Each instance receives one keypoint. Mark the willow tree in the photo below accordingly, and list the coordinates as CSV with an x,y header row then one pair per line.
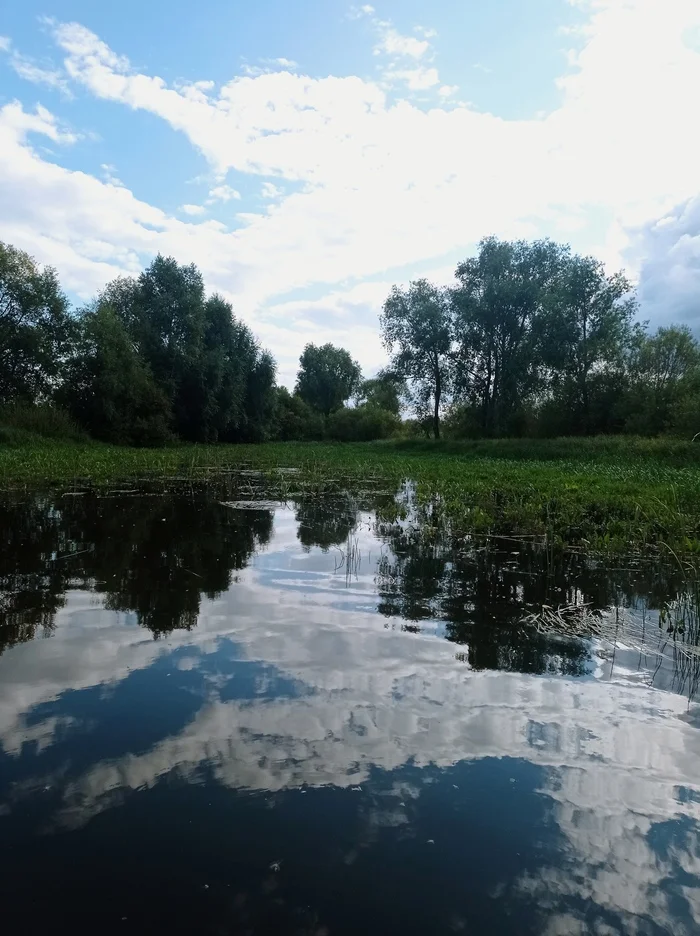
x,y
416,325
500,303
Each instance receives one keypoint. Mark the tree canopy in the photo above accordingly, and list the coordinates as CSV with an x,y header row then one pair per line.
x,y
417,331
327,378
35,327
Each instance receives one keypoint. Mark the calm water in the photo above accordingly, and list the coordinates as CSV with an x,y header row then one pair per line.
x,y
294,719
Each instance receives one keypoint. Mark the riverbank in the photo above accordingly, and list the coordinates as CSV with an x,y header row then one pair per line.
x,y
609,492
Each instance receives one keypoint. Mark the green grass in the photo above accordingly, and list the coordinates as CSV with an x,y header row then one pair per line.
x,y
609,493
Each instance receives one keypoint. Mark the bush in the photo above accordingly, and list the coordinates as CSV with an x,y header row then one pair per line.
x,y
293,419
17,420
361,424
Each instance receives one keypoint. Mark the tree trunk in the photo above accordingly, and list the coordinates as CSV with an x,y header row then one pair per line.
x,y
436,412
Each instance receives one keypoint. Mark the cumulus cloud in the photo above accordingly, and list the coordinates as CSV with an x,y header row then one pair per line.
x,y
393,43
270,190
376,183
193,209
666,256
223,193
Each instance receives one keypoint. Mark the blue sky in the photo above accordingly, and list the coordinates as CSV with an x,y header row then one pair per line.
x,y
306,156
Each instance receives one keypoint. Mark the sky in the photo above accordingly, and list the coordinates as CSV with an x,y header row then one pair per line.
x,y
307,156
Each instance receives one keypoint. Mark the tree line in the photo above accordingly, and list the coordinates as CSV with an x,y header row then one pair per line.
x,y
537,340
153,359
532,340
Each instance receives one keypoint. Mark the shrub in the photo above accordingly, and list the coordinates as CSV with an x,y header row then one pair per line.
x,y
40,419
293,419
361,424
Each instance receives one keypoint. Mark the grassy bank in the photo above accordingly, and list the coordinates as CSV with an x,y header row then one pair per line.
x,y
604,492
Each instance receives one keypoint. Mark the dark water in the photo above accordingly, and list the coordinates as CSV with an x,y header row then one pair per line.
x,y
341,727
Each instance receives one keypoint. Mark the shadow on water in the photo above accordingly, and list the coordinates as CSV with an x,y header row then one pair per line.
x,y
344,725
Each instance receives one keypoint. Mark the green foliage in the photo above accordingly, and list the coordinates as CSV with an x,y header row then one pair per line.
x,y
108,388
609,493
416,326
295,419
384,391
499,304
35,327
664,393
22,423
533,341
327,377
361,424
586,329
203,365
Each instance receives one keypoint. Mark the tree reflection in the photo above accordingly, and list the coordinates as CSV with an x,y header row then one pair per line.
x,y
481,593
31,581
151,555
325,523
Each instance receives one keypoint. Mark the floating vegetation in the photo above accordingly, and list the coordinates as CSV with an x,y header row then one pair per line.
x,y
575,620
601,495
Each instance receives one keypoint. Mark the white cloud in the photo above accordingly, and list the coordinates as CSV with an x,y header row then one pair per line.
x,y
665,254
193,209
30,70
415,79
223,193
393,43
270,190
109,174
377,185
448,90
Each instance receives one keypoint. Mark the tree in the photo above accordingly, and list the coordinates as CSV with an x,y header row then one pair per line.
x,y
235,377
294,419
108,389
384,392
327,377
664,372
260,399
208,364
35,327
416,325
585,332
499,305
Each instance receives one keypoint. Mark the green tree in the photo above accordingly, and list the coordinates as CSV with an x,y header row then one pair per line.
x,y
295,419
260,399
35,327
207,363
384,392
327,377
236,378
416,326
500,303
664,373
108,389
586,331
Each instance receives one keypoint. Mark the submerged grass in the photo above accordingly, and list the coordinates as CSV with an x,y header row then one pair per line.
x,y
602,493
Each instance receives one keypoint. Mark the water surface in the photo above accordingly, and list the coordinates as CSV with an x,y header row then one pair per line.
x,y
221,714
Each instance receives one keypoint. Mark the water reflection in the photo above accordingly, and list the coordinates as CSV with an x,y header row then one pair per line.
x,y
297,762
